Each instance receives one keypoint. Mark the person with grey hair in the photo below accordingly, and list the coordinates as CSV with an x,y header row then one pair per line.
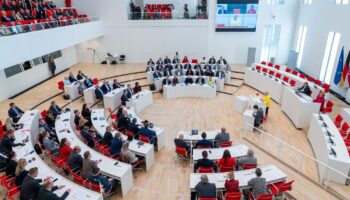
x,y
258,184
75,160
204,189
249,159
222,136
180,142
128,154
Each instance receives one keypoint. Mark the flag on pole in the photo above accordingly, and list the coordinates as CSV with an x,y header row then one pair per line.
x,y
345,71
348,66
338,73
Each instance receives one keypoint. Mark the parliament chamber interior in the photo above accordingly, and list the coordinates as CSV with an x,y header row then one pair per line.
x,y
174,99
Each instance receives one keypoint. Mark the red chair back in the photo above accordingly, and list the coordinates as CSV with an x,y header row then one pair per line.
x,y
263,62
302,75
292,83
204,147
249,166
326,87
43,113
60,85
226,144
286,187
271,72
270,64
285,79
295,73
206,170
345,126
264,197
95,81
194,61
144,139
226,169
278,75
258,67
278,67
310,79
329,106
317,82
233,195
288,70
96,187
181,151
264,70
338,119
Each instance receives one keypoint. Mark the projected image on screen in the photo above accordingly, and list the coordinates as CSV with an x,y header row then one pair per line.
x,y
236,15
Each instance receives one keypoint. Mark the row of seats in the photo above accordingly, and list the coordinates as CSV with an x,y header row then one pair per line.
x,y
344,131
301,75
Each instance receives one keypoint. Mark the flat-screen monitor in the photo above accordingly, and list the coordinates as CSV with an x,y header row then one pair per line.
x,y
236,15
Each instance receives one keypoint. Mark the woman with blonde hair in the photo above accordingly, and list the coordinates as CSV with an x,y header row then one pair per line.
x,y
128,154
20,171
231,184
267,100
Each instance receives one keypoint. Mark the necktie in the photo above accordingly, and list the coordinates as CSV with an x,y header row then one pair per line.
x,y
16,111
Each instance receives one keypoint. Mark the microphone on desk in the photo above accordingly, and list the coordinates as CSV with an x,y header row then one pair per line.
x,y
324,124
333,152
320,117
330,140
329,134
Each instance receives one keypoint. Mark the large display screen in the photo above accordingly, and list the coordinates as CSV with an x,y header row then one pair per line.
x,y
236,15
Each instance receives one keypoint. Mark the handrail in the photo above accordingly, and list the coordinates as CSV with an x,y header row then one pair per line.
x,y
298,150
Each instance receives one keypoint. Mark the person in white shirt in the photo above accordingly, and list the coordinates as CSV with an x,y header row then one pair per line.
x,y
66,81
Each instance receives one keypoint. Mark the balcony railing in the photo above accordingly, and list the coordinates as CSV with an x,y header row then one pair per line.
x,y
167,15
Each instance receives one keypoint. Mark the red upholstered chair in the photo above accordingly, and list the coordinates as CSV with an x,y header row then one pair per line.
x,y
263,62
278,67
337,121
206,170
347,141
264,70
181,152
317,82
96,187
271,72
288,70
113,116
270,64
226,144
258,67
194,61
249,166
292,82
60,85
295,73
204,147
326,87
260,196
95,81
301,75
207,198
280,187
43,114
310,79
144,139
344,129
329,107
233,195
278,75
226,169
286,79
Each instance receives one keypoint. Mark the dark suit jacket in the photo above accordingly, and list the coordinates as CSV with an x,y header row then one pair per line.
x,y
30,188
99,93
188,81
55,110
167,82
182,143
90,140
106,88
205,190
7,143
14,115
72,79
204,143
200,81
80,76
107,139
88,83
204,162
124,99
134,129
212,61
175,81
75,161
50,122
157,75
306,90
123,122
167,60
11,168
149,133
117,85
116,146
45,194
76,120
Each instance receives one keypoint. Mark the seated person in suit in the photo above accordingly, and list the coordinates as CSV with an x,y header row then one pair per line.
x,y
47,191
220,73
76,118
178,66
75,160
223,136
160,61
124,97
159,67
150,62
31,186
146,131
167,81
107,184
88,82
178,72
175,80
8,142
249,159
258,184
167,60
188,80
204,189
49,144
116,144
199,72
116,84
106,87
180,142
71,77
123,120
56,110
204,142
212,60
81,75
157,74
107,137
130,91
305,89
168,67
88,136
187,66
200,80
66,81
15,112
167,72
150,68
11,164
258,115
227,161
222,61
204,162
189,72
134,128
98,92
208,72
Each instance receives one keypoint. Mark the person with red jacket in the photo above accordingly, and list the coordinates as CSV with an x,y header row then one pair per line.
x,y
65,149
226,161
231,184
185,60
320,99
137,88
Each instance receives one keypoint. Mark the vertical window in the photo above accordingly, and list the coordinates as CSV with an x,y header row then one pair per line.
x,y
307,2
301,44
271,40
341,1
329,56
274,2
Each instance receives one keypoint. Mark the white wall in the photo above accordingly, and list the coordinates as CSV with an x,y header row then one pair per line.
x,y
24,80
22,47
321,17
140,40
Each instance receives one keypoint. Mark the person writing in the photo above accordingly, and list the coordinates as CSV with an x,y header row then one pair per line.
x,y
267,100
305,89
320,99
